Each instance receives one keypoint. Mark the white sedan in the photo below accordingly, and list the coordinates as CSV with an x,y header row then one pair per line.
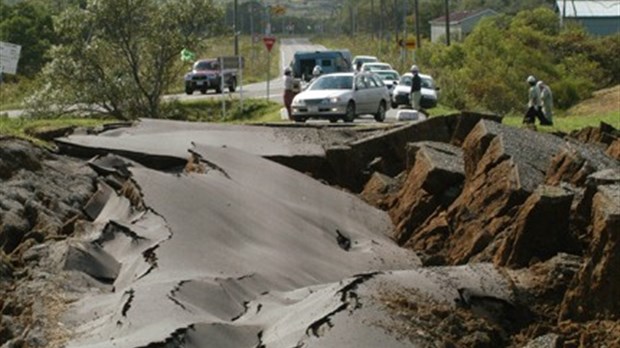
x,y
374,66
342,96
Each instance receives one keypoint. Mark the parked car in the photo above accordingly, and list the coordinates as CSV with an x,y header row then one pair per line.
x,y
376,66
390,78
206,74
402,92
342,96
363,59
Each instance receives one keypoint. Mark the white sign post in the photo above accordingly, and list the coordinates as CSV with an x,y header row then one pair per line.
x,y
9,56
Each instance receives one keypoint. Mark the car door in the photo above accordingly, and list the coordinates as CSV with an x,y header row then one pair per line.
x,y
360,94
376,92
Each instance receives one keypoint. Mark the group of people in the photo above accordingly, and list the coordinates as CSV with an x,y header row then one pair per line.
x,y
540,98
539,104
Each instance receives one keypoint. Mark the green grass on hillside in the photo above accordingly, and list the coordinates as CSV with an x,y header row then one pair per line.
x,y
567,124
210,110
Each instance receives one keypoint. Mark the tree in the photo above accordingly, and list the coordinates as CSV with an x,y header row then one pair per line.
x,y
118,56
29,25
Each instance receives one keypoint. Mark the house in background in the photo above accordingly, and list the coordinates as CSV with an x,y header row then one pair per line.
x,y
461,24
597,17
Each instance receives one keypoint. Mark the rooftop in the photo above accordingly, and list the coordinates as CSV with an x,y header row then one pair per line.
x,y
456,17
589,8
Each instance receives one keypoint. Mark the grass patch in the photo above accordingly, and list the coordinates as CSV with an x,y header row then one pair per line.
x,y
23,127
568,123
14,91
210,110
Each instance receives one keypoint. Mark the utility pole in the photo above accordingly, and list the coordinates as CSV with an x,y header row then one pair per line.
x,y
563,14
372,18
381,16
447,23
235,26
418,40
404,49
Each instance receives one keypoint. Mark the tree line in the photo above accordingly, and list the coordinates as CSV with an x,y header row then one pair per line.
x,y
488,69
120,57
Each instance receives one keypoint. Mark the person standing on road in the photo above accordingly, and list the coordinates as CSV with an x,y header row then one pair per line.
x,y
416,88
289,90
546,100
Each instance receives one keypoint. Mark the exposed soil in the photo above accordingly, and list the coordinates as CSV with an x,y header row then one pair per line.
x,y
544,210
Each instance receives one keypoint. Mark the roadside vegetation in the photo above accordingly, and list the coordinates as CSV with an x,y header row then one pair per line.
x,y
27,128
119,58
487,71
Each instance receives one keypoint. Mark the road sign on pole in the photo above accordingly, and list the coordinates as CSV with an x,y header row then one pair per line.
x,y
269,41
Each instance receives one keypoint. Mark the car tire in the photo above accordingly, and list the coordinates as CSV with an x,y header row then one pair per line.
x,y
218,89
299,119
350,113
203,90
380,115
189,90
394,105
233,85
333,119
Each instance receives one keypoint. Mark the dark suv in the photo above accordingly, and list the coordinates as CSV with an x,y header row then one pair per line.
x,y
206,74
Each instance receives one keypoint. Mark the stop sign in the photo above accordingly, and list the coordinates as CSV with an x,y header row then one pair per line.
x,y
269,41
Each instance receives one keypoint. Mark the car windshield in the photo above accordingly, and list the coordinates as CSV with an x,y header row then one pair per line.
x,y
387,75
332,82
366,60
373,67
206,65
426,82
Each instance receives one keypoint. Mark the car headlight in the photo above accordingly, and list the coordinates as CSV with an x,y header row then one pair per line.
x,y
299,102
332,100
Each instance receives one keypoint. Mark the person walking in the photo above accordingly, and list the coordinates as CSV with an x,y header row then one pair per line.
x,y
546,100
416,88
533,104
290,90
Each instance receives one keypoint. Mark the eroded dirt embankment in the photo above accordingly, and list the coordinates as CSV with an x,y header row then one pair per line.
x,y
517,229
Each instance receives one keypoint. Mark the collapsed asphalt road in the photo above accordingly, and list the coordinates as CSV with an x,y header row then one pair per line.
x,y
172,234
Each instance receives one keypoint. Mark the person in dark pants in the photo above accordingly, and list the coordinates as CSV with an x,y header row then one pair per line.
x,y
416,88
290,90
534,105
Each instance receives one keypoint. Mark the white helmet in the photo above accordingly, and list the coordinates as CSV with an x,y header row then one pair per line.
x,y
414,68
531,79
287,70
317,71
539,84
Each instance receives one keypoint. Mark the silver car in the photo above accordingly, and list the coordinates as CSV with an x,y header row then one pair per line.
x,y
390,78
342,95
